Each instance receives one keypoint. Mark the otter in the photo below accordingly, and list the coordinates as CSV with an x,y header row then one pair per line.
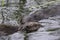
x,y
31,27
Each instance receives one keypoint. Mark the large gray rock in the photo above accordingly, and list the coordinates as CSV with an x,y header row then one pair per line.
x,y
17,36
44,13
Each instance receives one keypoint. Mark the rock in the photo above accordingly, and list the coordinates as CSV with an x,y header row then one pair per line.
x,y
31,26
46,22
44,13
42,36
17,36
7,29
52,11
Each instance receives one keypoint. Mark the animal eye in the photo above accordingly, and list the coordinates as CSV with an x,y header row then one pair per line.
x,y
35,16
27,26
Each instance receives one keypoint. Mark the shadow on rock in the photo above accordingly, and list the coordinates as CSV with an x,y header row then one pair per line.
x,y
7,29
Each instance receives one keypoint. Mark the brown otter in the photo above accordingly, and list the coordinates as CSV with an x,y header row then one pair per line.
x,y
31,20
31,26
7,29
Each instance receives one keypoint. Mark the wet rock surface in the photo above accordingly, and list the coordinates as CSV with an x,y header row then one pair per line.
x,y
44,13
17,36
